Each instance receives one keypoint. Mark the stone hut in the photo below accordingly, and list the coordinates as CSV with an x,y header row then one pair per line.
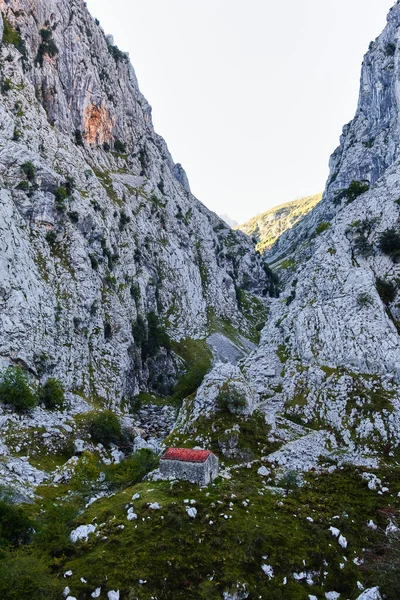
x,y
197,466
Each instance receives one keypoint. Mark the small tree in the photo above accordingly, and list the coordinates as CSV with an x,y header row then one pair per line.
x,y
105,428
386,290
389,243
29,169
230,399
16,391
52,394
355,189
290,481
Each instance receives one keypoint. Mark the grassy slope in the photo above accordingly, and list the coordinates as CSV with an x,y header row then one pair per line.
x,y
269,226
240,521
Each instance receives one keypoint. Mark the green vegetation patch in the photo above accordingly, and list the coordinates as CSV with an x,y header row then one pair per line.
x,y
240,526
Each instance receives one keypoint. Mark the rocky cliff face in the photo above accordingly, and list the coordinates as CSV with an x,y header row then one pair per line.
x,y
103,246
329,354
369,144
266,228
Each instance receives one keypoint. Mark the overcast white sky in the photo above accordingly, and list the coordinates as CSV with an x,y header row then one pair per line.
x,y
250,96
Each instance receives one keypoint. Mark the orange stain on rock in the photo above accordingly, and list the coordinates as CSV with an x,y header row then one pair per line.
x,y
98,125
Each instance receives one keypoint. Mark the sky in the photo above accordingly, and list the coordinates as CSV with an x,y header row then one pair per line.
x,y
251,97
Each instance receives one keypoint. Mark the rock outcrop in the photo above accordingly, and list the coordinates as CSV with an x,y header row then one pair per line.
x,y
103,246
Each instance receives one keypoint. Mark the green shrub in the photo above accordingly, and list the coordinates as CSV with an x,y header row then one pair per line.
x,y
362,246
355,189
53,527
29,169
52,394
151,338
290,481
94,262
51,237
107,331
86,472
74,216
79,138
132,469
25,577
135,292
389,243
12,36
230,400
47,47
6,85
16,391
386,290
364,299
15,526
23,185
119,147
124,220
105,428
390,49
117,54
322,227
61,194
156,337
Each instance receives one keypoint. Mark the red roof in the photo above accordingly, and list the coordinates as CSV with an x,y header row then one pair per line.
x,y
186,455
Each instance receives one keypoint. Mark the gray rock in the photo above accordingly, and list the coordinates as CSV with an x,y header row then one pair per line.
x,y
129,240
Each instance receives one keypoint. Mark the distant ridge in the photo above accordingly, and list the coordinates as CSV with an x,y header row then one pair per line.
x,y
267,227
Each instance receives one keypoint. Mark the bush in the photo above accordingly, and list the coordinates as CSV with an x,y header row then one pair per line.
x,y
157,337
322,227
51,237
79,138
107,331
13,37
132,469
52,394
53,527
386,290
15,526
390,49
23,185
61,195
230,400
29,169
74,216
123,220
119,147
389,243
362,246
47,47
290,481
94,262
105,428
16,391
117,54
364,299
355,189
25,577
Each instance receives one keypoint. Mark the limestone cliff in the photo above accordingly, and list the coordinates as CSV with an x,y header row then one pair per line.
x,y
330,352
103,246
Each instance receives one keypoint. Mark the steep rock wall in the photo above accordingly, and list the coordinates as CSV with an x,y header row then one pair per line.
x,y
99,229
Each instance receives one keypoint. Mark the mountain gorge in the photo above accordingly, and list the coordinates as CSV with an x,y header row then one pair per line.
x,y
133,319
